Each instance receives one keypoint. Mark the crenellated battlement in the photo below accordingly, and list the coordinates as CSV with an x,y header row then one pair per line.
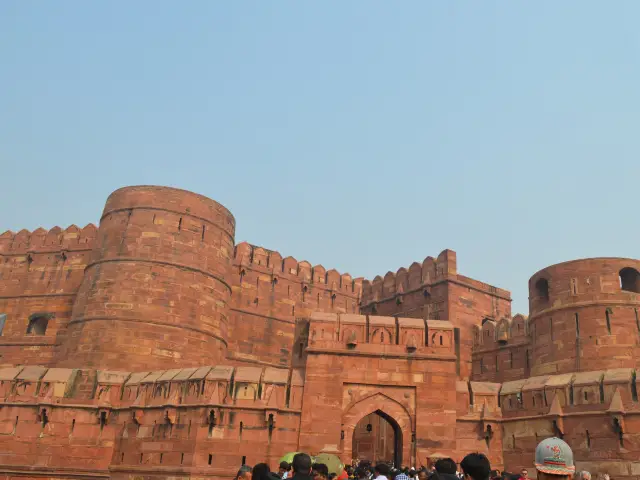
x,y
405,280
274,264
45,241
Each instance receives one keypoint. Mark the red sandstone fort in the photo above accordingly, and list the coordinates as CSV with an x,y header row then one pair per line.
x,y
154,346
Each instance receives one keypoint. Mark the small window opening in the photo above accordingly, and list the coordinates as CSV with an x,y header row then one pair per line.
x,y
534,400
44,419
333,300
481,365
571,401
73,425
542,289
630,280
574,286
141,457
180,224
607,314
381,337
240,430
161,457
38,325
212,421
440,339
210,459
586,396
634,387
181,458
204,229
496,359
588,440
103,420
601,385
577,318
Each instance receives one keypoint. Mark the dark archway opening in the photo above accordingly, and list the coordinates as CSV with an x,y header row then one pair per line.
x,y
630,280
542,289
378,438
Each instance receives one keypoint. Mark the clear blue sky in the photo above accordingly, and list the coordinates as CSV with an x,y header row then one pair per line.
x,y
362,135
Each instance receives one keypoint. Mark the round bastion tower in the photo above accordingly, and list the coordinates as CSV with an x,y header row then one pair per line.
x,y
584,316
155,294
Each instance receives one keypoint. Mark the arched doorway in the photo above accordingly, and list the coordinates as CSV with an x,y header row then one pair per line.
x,y
377,437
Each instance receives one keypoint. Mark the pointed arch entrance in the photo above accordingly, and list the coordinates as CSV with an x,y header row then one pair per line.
x,y
385,409
377,438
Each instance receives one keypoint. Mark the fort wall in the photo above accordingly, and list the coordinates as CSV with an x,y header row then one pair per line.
x,y
269,293
40,274
156,291
435,289
584,315
106,334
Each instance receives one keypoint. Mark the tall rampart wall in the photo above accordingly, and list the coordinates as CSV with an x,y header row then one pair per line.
x,y
435,289
584,316
205,422
501,350
40,274
156,291
269,293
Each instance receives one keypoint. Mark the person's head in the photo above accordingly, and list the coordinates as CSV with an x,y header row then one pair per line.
x,y
361,473
244,473
284,467
476,466
446,465
260,472
301,464
320,471
554,460
524,473
422,474
381,469
584,475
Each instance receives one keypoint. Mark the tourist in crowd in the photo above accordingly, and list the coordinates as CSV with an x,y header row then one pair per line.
x,y
283,470
524,474
422,474
244,473
476,466
361,473
446,469
400,475
381,471
260,472
320,471
554,460
583,475
301,466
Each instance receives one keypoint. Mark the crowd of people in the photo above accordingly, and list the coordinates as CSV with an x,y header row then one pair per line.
x,y
553,461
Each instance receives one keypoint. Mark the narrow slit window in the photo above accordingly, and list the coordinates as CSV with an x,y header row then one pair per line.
x,y
607,314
